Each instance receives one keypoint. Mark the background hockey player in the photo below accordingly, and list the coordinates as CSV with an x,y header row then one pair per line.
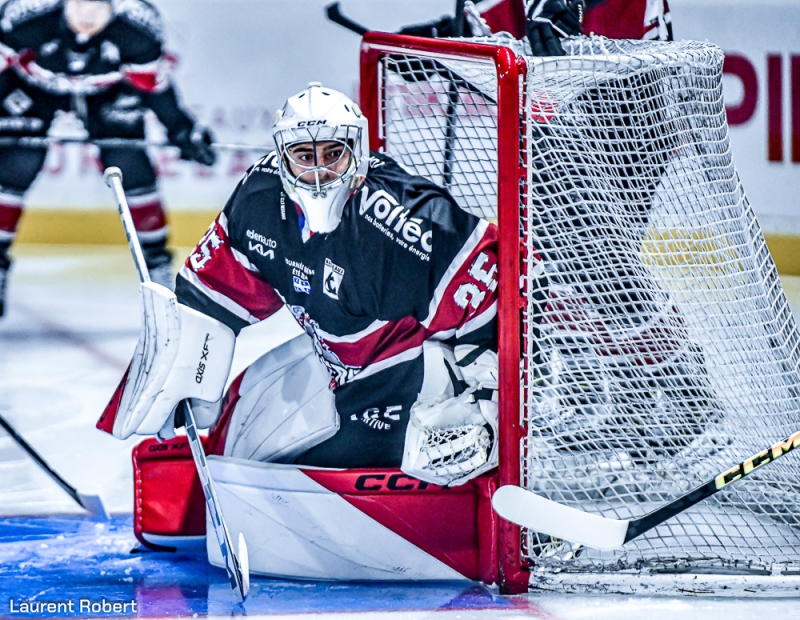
x,y
394,285
544,22
103,61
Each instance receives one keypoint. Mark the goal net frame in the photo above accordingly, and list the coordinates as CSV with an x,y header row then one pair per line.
x,y
514,113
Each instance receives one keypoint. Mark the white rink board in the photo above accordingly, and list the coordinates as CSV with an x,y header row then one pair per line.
x,y
239,59
754,29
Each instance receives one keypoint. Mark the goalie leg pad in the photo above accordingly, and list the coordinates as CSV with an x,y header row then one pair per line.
x,y
364,524
285,405
168,506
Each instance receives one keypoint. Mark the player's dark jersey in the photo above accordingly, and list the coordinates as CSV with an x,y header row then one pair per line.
x,y
616,19
127,56
404,265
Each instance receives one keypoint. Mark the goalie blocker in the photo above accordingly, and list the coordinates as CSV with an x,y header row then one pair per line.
x,y
181,353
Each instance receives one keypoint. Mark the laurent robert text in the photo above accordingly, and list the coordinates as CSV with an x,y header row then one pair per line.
x,y
81,605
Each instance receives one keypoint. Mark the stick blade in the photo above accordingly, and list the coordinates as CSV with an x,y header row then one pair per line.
x,y
537,513
94,505
244,567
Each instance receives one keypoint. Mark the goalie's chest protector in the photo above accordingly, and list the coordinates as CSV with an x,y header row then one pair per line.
x,y
375,266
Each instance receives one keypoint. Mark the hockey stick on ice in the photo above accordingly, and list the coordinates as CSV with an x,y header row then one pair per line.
x,y
91,503
533,511
45,141
237,564
238,567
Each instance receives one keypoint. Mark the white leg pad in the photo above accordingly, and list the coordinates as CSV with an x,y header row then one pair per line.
x,y
297,529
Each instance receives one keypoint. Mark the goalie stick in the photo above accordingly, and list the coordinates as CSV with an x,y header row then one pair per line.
x,y
540,514
91,503
39,142
237,566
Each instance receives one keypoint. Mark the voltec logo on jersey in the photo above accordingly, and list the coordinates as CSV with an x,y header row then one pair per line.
x,y
392,219
332,279
301,286
259,243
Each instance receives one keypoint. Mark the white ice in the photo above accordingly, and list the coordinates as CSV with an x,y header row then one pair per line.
x,y
70,328
71,325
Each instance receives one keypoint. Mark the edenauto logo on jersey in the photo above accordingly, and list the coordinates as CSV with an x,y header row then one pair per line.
x,y
391,218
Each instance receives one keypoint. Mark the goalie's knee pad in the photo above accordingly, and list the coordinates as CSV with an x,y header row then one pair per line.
x,y
181,353
285,405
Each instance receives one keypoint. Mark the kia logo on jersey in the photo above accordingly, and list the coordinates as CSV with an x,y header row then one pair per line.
x,y
332,280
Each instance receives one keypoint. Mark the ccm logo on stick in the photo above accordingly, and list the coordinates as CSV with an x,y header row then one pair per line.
x,y
201,367
396,482
762,458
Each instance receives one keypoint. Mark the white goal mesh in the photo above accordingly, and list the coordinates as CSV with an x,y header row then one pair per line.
x,y
658,348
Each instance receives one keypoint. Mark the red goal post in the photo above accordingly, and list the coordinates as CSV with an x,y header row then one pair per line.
x,y
510,70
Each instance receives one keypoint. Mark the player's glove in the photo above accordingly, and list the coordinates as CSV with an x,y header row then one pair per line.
x,y
195,144
452,440
548,20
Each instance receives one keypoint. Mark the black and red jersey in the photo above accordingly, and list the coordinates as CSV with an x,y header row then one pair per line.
x,y
616,19
56,63
133,37
405,265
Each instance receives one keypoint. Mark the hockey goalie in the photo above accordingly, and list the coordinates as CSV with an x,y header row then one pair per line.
x,y
339,450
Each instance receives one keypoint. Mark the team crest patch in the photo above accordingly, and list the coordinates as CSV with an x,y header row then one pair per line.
x,y
332,280
301,285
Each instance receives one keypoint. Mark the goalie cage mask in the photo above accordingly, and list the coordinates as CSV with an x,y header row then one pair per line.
x,y
322,119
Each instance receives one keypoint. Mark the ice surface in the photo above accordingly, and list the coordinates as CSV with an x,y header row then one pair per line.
x,y
70,329
71,325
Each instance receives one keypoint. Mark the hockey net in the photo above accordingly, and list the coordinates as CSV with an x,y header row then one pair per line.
x,y
657,346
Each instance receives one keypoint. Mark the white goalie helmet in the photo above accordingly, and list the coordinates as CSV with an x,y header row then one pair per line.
x,y
322,140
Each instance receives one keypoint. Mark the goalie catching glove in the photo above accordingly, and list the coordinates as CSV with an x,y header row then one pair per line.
x,y
181,354
452,437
